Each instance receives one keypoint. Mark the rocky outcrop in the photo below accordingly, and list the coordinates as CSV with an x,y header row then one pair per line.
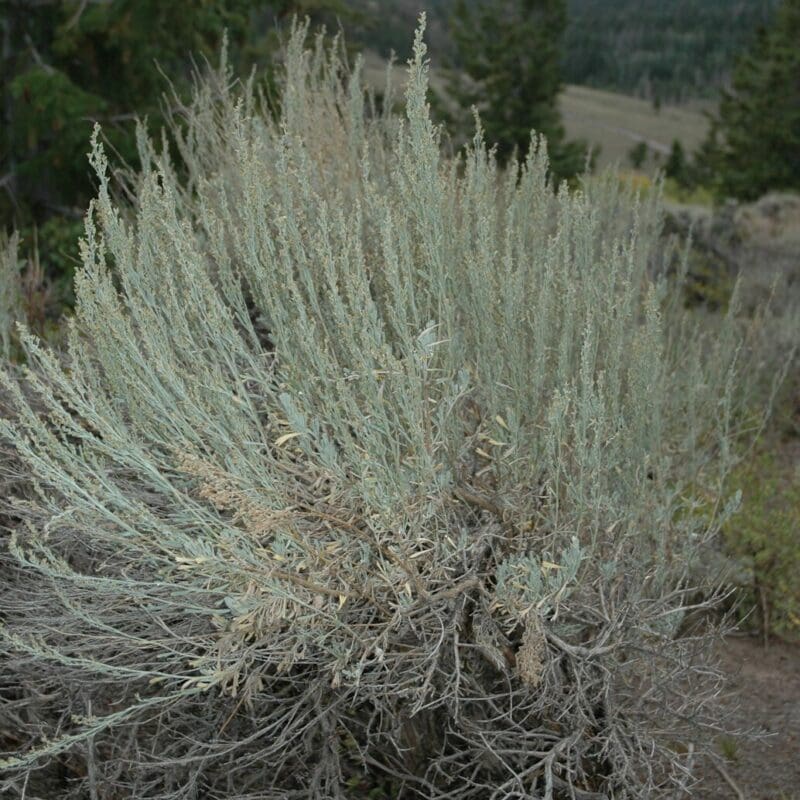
x,y
758,242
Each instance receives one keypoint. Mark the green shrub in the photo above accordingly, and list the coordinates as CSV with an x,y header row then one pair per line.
x,y
677,165
56,242
763,538
687,195
362,459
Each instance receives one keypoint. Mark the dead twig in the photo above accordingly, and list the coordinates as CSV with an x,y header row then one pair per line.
x,y
726,776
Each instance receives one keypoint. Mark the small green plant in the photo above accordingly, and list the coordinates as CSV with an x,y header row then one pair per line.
x,y
729,748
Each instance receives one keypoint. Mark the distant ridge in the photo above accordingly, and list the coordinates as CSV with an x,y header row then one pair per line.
x,y
666,49
674,50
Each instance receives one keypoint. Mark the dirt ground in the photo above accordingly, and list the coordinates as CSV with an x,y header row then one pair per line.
x,y
766,683
764,698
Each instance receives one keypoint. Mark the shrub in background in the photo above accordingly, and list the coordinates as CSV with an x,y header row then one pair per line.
x,y
362,461
10,292
67,64
26,296
763,539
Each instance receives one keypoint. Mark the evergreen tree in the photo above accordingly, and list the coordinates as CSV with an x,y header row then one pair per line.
x,y
637,155
67,64
677,166
754,145
510,54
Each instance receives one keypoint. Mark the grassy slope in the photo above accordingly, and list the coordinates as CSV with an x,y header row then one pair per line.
x,y
616,122
613,121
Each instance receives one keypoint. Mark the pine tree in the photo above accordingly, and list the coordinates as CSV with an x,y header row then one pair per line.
x,y
510,54
67,64
637,155
757,130
677,166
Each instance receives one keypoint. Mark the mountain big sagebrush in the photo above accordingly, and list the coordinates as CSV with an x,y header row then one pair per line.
x,y
361,460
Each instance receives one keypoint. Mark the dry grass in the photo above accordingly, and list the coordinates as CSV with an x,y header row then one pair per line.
x,y
616,122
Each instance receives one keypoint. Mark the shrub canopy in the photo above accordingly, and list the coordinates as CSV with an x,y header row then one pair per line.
x,y
361,459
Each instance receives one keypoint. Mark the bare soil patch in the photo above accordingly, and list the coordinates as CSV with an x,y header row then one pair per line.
x,y
765,702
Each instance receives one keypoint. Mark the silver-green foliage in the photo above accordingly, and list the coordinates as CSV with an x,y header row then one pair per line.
x,y
362,457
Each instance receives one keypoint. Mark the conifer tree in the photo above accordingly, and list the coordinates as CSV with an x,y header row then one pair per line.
x,y
754,145
677,166
510,54
67,64
70,64
637,155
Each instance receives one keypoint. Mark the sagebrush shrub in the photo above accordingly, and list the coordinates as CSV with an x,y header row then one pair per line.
x,y
361,461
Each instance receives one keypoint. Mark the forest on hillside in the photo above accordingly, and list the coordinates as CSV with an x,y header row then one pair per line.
x,y
674,51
